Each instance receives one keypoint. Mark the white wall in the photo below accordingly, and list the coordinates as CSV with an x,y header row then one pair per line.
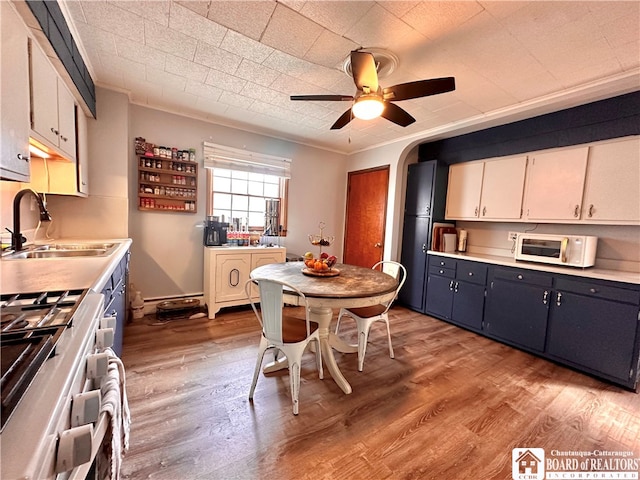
x,y
167,252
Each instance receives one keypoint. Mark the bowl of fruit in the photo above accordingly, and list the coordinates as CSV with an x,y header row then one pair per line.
x,y
320,267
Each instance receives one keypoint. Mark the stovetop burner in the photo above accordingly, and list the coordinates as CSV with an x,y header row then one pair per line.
x,y
27,311
31,324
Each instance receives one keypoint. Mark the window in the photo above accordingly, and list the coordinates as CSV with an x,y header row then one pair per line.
x,y
255,198
248,186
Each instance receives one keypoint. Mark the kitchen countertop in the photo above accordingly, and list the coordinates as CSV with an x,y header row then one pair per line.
x,y
46,274
590,272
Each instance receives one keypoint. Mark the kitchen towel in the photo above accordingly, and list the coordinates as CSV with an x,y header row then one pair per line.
x,y
114,402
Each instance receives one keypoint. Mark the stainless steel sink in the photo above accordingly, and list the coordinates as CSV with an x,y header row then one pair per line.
x,y
81,246
64,250
57,254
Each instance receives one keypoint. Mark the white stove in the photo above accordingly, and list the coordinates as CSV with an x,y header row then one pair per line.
x,y
66,334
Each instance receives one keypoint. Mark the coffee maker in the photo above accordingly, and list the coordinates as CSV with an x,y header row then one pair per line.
x,y
215,232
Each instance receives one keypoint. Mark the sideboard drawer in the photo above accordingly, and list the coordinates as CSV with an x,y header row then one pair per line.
x,y
599,291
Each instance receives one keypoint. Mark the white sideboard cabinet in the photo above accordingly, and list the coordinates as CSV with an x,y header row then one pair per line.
x,y
227,269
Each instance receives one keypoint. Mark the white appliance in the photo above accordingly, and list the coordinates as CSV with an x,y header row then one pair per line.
x,y
569,250
54,427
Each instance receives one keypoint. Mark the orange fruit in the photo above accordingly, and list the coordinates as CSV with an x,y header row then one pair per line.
x,y
317,265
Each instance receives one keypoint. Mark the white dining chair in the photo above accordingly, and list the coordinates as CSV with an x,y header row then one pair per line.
x,y
287,333
367,316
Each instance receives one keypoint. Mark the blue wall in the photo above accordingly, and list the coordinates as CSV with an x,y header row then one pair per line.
x,y
611,118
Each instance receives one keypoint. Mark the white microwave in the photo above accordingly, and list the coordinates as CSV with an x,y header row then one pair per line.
x,y
569,250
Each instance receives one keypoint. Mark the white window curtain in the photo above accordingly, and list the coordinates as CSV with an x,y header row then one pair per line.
x,y
221,156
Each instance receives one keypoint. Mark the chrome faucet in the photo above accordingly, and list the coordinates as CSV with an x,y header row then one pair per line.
x,y
16,236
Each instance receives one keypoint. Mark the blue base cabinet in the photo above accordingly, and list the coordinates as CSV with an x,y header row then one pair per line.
x,y
456,291
517,307
594,326
587,324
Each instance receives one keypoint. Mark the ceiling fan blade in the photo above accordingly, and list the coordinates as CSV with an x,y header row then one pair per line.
x,y
421,88
396,115
342,121
363,69
323,98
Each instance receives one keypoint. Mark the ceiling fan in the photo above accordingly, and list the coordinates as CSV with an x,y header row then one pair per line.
x,y
371,100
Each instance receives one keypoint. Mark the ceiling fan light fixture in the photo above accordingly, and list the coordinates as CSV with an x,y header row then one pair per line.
x,y
367,108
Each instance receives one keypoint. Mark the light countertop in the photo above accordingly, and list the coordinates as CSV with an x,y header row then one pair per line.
x,y
47,274
590,272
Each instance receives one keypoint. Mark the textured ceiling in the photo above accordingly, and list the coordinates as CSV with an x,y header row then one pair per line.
x,y
236,62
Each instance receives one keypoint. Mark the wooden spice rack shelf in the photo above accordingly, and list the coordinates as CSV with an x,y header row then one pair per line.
x,y
167,184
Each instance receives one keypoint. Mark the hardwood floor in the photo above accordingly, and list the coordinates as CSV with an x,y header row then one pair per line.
x,y
451,405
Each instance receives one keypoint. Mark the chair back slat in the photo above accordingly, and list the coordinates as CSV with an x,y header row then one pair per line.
x,y
271,308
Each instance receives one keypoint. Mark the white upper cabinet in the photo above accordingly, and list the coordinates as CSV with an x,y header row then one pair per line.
x,y
14,101
503,188
612,188
464,190
52,108
555,182
486,190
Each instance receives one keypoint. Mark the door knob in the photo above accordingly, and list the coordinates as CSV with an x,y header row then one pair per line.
x,y
377,245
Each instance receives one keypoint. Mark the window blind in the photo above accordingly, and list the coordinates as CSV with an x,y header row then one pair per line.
x,y
221,156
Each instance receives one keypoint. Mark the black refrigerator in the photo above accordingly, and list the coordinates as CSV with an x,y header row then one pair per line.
x,y
424,204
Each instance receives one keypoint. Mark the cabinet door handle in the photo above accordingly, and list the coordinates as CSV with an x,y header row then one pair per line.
x,y
471,274
64,139
576,211
591,210
22,157
476,212
559,299
455,288
519,277
484,211
427,210
424,248
55,132
545,297
234,273
451,285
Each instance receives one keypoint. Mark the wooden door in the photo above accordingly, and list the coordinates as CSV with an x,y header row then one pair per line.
x,y
366,215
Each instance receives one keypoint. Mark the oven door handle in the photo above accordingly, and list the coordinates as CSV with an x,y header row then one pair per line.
x,y
563,250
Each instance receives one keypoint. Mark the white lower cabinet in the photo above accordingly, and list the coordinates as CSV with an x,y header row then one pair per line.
x,y
227,269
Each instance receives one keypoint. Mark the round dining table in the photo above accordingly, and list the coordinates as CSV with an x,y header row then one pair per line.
x,y
353,287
